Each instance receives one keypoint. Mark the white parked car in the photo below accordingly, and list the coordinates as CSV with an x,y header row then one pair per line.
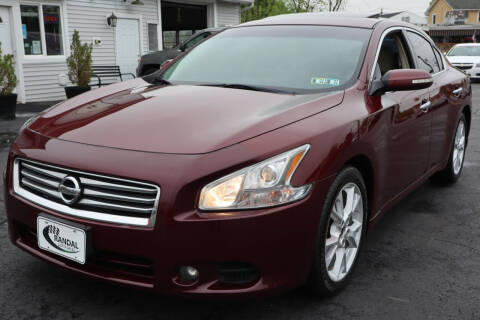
x,y
466,57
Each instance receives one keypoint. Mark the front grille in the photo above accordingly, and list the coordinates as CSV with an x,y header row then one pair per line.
x,y
237,273
463,66
97,197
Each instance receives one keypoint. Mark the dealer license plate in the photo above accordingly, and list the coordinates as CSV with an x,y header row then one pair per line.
x,y
61,239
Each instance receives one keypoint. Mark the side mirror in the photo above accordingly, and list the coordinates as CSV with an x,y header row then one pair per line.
x,y
401,80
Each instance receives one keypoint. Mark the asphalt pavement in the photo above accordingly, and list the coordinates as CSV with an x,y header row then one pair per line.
x,y
422,261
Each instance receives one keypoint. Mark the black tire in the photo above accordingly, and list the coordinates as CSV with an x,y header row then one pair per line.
x,y
149,70
448,175
319,281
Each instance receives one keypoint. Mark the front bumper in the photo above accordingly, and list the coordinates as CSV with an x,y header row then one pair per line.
x,y
278,242
473,73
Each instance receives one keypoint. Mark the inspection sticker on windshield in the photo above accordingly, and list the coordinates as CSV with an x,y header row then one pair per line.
x,y
331,82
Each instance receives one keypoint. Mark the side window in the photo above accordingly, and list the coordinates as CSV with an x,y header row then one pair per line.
x,y
393,55
424,54
196,40
438,55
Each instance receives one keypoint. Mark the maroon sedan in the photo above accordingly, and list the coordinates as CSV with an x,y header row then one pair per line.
x,y
253,163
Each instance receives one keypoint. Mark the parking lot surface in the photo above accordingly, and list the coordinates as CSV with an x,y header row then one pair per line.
x,y
422,261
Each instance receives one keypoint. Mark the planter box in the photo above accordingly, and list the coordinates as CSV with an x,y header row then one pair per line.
x,y
8,105
75,91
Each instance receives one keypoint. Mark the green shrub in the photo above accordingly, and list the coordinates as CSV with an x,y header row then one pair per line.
x,y
8,79
80,61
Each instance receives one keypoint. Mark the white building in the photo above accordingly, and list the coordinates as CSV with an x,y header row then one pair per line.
x,y
405,16
38,33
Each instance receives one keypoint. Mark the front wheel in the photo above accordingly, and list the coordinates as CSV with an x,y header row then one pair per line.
x,y
453,170
340,233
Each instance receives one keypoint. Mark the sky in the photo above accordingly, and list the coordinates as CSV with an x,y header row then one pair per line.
x,y
374,6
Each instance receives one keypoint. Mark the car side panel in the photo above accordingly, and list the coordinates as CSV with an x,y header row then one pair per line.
x,y
445,110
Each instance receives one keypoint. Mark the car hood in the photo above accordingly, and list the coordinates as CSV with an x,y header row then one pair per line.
x,y
183,119
463,59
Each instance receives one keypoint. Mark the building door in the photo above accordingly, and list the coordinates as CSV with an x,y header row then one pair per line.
x,y
127,44
5,31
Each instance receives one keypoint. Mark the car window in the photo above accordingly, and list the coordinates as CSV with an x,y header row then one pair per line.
x,y
393,55
424,55
299,59
197,39
439,58
470,51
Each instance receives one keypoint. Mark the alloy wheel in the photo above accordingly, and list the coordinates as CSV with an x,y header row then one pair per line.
x,y
344,232
459,148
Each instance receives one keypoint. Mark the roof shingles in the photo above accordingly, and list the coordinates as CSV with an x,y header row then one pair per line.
x,y
464,4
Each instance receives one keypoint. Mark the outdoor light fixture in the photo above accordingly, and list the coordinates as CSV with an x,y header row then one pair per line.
x,y
137,2
112,20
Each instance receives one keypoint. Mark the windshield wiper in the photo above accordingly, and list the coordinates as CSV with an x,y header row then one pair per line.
x,y
246,87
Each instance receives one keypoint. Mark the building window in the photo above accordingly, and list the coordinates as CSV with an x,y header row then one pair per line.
x,y
434,19
152,37
46,41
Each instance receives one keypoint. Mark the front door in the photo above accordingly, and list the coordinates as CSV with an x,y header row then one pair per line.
x,y
5,31
408,136
128,44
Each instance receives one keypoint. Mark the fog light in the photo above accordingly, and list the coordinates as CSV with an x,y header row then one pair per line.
x,y
189,274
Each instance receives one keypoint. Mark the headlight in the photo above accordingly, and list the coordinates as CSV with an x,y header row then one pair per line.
x,y
262,185
478,65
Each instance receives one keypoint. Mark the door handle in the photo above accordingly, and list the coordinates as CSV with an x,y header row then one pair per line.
x,y
426,106
457,92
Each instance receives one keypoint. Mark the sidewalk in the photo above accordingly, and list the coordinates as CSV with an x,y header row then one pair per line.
x,y
34,107
9,128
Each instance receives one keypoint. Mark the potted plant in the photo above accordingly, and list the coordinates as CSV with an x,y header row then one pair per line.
x,y
79,66
8,82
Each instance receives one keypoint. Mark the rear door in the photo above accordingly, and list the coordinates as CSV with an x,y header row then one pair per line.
x,y
448,94
447,91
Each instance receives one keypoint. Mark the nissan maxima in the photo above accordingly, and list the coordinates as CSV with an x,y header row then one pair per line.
x,y
254,162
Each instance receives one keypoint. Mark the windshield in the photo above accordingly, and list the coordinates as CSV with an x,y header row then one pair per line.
x,y
464,51
295,59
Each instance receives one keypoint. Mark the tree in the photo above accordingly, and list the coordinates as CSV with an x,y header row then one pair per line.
x,y
8,79
304,5
265,8
335,5
80,61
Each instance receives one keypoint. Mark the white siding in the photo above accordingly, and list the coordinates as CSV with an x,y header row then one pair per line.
x,y
41,81
89,18
228,13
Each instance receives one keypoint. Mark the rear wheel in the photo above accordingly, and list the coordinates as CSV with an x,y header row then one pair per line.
x,y
453,170
340,234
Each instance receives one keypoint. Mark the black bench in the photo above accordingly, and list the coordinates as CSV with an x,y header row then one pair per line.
x,y
107,72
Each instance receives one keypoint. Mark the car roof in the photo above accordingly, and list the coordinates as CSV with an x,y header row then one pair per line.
x,y
319,18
